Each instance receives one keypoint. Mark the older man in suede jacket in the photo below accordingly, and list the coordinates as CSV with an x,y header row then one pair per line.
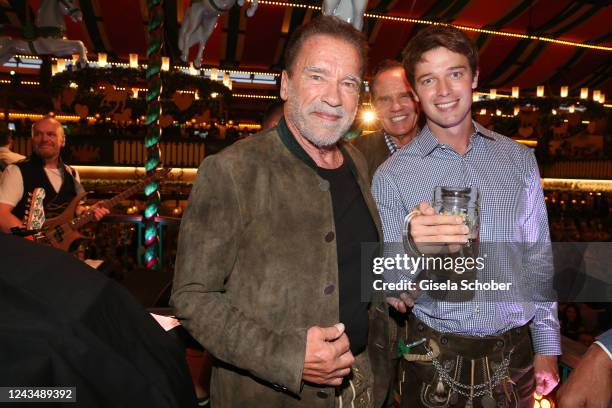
x,y
268,270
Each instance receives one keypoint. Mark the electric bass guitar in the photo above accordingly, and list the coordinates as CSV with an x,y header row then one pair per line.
x,y
61,231
34,215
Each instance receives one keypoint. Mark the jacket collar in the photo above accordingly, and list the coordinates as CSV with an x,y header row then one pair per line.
x,y
298,151
290,143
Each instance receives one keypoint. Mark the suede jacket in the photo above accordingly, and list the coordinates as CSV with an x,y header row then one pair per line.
x,y
257,266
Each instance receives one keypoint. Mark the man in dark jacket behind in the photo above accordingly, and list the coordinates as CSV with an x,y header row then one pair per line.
x,y
397,111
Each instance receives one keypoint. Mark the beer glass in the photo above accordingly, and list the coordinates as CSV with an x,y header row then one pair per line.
x,y
464,202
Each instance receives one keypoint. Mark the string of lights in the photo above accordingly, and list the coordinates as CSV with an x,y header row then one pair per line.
x,y
206,70
461,27
253,96
477,95
235,95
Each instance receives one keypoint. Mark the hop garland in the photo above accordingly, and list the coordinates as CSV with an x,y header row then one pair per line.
x,y
89,81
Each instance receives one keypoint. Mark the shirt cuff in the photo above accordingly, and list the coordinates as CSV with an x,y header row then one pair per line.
x,y
546,342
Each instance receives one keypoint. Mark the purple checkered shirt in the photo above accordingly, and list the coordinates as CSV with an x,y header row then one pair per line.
x,y
512,210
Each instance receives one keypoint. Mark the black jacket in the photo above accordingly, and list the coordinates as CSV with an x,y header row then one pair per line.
x,y
63,323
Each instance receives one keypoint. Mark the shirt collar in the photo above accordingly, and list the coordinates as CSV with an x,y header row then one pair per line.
x,y
428,142
390,143
35,159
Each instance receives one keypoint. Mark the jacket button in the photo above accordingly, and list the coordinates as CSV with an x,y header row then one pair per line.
x,y
329,237
329,290
444,340
324,185
322,394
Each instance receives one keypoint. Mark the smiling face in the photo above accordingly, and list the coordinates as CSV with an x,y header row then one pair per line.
x,y
395,103
322,91
47,139
443,85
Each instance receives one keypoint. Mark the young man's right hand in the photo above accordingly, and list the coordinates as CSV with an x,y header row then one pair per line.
x,y
427,228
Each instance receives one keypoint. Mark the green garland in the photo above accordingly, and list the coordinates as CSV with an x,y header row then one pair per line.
x,y
154,133
89,79
131,77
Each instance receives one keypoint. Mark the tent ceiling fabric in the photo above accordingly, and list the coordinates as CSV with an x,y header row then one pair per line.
x,y
118,27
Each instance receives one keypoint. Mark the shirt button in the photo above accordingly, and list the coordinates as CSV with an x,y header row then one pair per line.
x,y
329,237
477,309
329,289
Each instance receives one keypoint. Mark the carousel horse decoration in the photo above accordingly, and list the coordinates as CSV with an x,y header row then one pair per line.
x,y
350,11
199,22
47,36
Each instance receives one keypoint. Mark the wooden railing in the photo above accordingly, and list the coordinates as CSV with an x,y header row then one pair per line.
x,y
174,153
122,152
189,153
582,169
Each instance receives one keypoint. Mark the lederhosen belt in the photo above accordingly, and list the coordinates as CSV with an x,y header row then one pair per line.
x,y
453,367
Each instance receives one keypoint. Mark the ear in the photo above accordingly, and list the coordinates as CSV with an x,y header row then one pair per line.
x,y
284,84
475,80
416,103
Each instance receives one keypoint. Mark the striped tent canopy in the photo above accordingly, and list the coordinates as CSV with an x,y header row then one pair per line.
x,y
118,27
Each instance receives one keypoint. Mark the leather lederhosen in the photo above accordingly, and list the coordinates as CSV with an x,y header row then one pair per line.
x,y
508,357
